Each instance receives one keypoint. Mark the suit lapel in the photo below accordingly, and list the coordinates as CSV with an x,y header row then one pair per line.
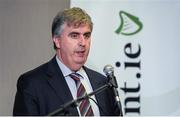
x,y
96,83
92,78
58,83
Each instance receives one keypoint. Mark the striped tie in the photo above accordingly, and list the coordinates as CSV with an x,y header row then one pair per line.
x,y
84,106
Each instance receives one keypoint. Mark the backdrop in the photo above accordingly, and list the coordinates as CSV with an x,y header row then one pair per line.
x,y
25,41
141,40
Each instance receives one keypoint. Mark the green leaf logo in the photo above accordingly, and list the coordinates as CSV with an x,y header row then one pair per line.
x,y
130,24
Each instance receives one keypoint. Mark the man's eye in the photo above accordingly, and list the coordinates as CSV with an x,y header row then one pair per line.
x,y
87,35
74,36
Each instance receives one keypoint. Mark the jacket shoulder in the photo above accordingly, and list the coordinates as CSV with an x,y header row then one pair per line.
x,y
36,72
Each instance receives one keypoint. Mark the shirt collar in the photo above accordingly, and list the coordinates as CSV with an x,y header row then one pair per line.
x,y
66,71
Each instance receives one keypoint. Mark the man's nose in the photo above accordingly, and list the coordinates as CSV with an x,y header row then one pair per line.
x,y
82,40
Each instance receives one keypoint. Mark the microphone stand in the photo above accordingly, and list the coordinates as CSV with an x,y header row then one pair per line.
x,y
114,86
75,102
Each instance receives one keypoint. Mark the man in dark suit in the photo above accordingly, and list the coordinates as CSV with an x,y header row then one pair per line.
x,y
48,87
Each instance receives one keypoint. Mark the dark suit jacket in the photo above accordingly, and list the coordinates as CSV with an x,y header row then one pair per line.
x,y
44,89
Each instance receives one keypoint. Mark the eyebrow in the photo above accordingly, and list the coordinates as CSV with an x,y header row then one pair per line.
x,y
79,33
74,33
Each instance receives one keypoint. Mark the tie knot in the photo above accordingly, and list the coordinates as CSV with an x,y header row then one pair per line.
x,y
75,76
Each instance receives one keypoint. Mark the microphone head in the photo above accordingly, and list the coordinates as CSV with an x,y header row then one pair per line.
x,y
108,70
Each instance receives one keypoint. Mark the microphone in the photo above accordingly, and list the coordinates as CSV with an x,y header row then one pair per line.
x,y
109,71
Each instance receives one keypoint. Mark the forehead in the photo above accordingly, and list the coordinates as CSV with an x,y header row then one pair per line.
x,y
84,27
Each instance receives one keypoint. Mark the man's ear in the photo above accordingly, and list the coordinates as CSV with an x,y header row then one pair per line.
x,y
56,41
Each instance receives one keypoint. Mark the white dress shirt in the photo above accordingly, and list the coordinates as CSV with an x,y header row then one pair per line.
x,y
72,85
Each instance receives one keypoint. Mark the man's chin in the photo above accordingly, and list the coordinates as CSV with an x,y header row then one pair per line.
x,y
80,62
77,66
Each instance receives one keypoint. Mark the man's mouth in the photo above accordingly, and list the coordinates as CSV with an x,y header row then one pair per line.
x,y
80,53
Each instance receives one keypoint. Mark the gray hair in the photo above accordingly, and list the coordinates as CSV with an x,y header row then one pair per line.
x,y
73,17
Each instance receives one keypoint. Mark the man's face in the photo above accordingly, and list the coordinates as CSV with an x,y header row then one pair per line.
x,y
73,45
